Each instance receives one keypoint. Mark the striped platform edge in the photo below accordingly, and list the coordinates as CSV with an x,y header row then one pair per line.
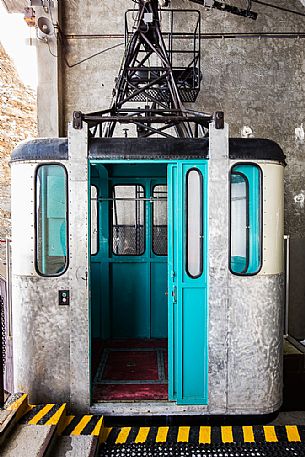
x,y
56,414
204,435
93,425
68,425
18,403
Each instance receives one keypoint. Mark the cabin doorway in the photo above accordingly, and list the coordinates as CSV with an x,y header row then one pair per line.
x,y
148,281
129,282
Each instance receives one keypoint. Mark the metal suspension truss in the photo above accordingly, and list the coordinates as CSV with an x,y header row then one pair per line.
x,y
160,72
158,75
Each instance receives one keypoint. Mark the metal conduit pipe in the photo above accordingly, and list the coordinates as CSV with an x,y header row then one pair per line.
x,y
203,36
1,364
287,268
5,241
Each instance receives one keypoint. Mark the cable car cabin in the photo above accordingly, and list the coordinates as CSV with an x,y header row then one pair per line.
x,y
148,273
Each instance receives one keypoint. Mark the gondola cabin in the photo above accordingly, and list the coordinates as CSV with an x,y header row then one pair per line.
x,y
148,273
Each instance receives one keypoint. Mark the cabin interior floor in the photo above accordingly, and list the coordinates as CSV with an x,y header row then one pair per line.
x,y
130,370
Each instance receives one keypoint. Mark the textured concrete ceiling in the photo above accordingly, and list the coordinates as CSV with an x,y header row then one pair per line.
x,y
15,6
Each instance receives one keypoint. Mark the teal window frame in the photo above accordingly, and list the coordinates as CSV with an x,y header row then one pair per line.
x,y
153,225
44,205
113,211
95,202
198,252
252,175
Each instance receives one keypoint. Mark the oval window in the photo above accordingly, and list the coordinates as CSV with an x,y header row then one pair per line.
x,y
246,219
194,223
51,220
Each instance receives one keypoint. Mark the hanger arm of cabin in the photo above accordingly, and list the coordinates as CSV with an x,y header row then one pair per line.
x,y
227,8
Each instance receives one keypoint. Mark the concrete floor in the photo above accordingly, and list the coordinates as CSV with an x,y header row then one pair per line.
x,y
290,418
292,348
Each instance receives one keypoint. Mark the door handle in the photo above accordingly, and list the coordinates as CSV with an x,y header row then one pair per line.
x,y
174,294
85,278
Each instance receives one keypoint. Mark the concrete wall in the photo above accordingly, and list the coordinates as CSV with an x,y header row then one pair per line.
x,y
257,82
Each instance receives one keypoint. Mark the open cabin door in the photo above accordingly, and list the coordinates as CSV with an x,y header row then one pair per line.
x,y
187,282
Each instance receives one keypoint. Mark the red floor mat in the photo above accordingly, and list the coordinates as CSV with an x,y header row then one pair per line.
x,y
130,392
131,366
131,370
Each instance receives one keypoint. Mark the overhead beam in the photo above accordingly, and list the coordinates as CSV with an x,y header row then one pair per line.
x,y
227,8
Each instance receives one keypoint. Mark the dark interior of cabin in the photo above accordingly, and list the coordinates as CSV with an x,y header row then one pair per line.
x,y
129,282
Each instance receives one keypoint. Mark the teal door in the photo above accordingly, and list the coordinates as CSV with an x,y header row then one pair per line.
x,y
187,282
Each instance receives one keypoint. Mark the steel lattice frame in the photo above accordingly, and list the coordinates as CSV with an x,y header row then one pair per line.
x,y
161,88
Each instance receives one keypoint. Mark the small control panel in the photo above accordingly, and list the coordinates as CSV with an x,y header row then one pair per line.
x,y
64,297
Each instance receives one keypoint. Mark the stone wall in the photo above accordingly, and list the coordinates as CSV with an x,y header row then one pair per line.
x,y
17,123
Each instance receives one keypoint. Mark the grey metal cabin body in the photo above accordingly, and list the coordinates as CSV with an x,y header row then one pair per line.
x,y
223,308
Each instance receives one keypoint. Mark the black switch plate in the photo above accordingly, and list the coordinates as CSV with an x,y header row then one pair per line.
x,y
64,297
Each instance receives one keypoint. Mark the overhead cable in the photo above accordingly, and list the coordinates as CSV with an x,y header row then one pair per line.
x,y
280,8
86,58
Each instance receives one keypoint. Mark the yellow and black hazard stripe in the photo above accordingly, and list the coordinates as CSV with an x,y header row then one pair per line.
x,y
83,425
17,403
53,414
48,414
204,434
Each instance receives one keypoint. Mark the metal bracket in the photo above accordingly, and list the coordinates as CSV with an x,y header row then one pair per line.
x,y
77,120
219,120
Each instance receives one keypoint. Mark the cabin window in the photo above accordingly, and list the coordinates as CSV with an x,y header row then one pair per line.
x,y
194,223
94,220
51,220
246,219
128,217
159,219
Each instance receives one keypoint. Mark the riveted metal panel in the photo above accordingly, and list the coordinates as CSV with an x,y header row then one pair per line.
x,y
78,269
218,268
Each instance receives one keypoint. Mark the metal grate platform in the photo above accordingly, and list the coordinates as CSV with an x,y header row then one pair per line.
x,y
193,450
163,95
